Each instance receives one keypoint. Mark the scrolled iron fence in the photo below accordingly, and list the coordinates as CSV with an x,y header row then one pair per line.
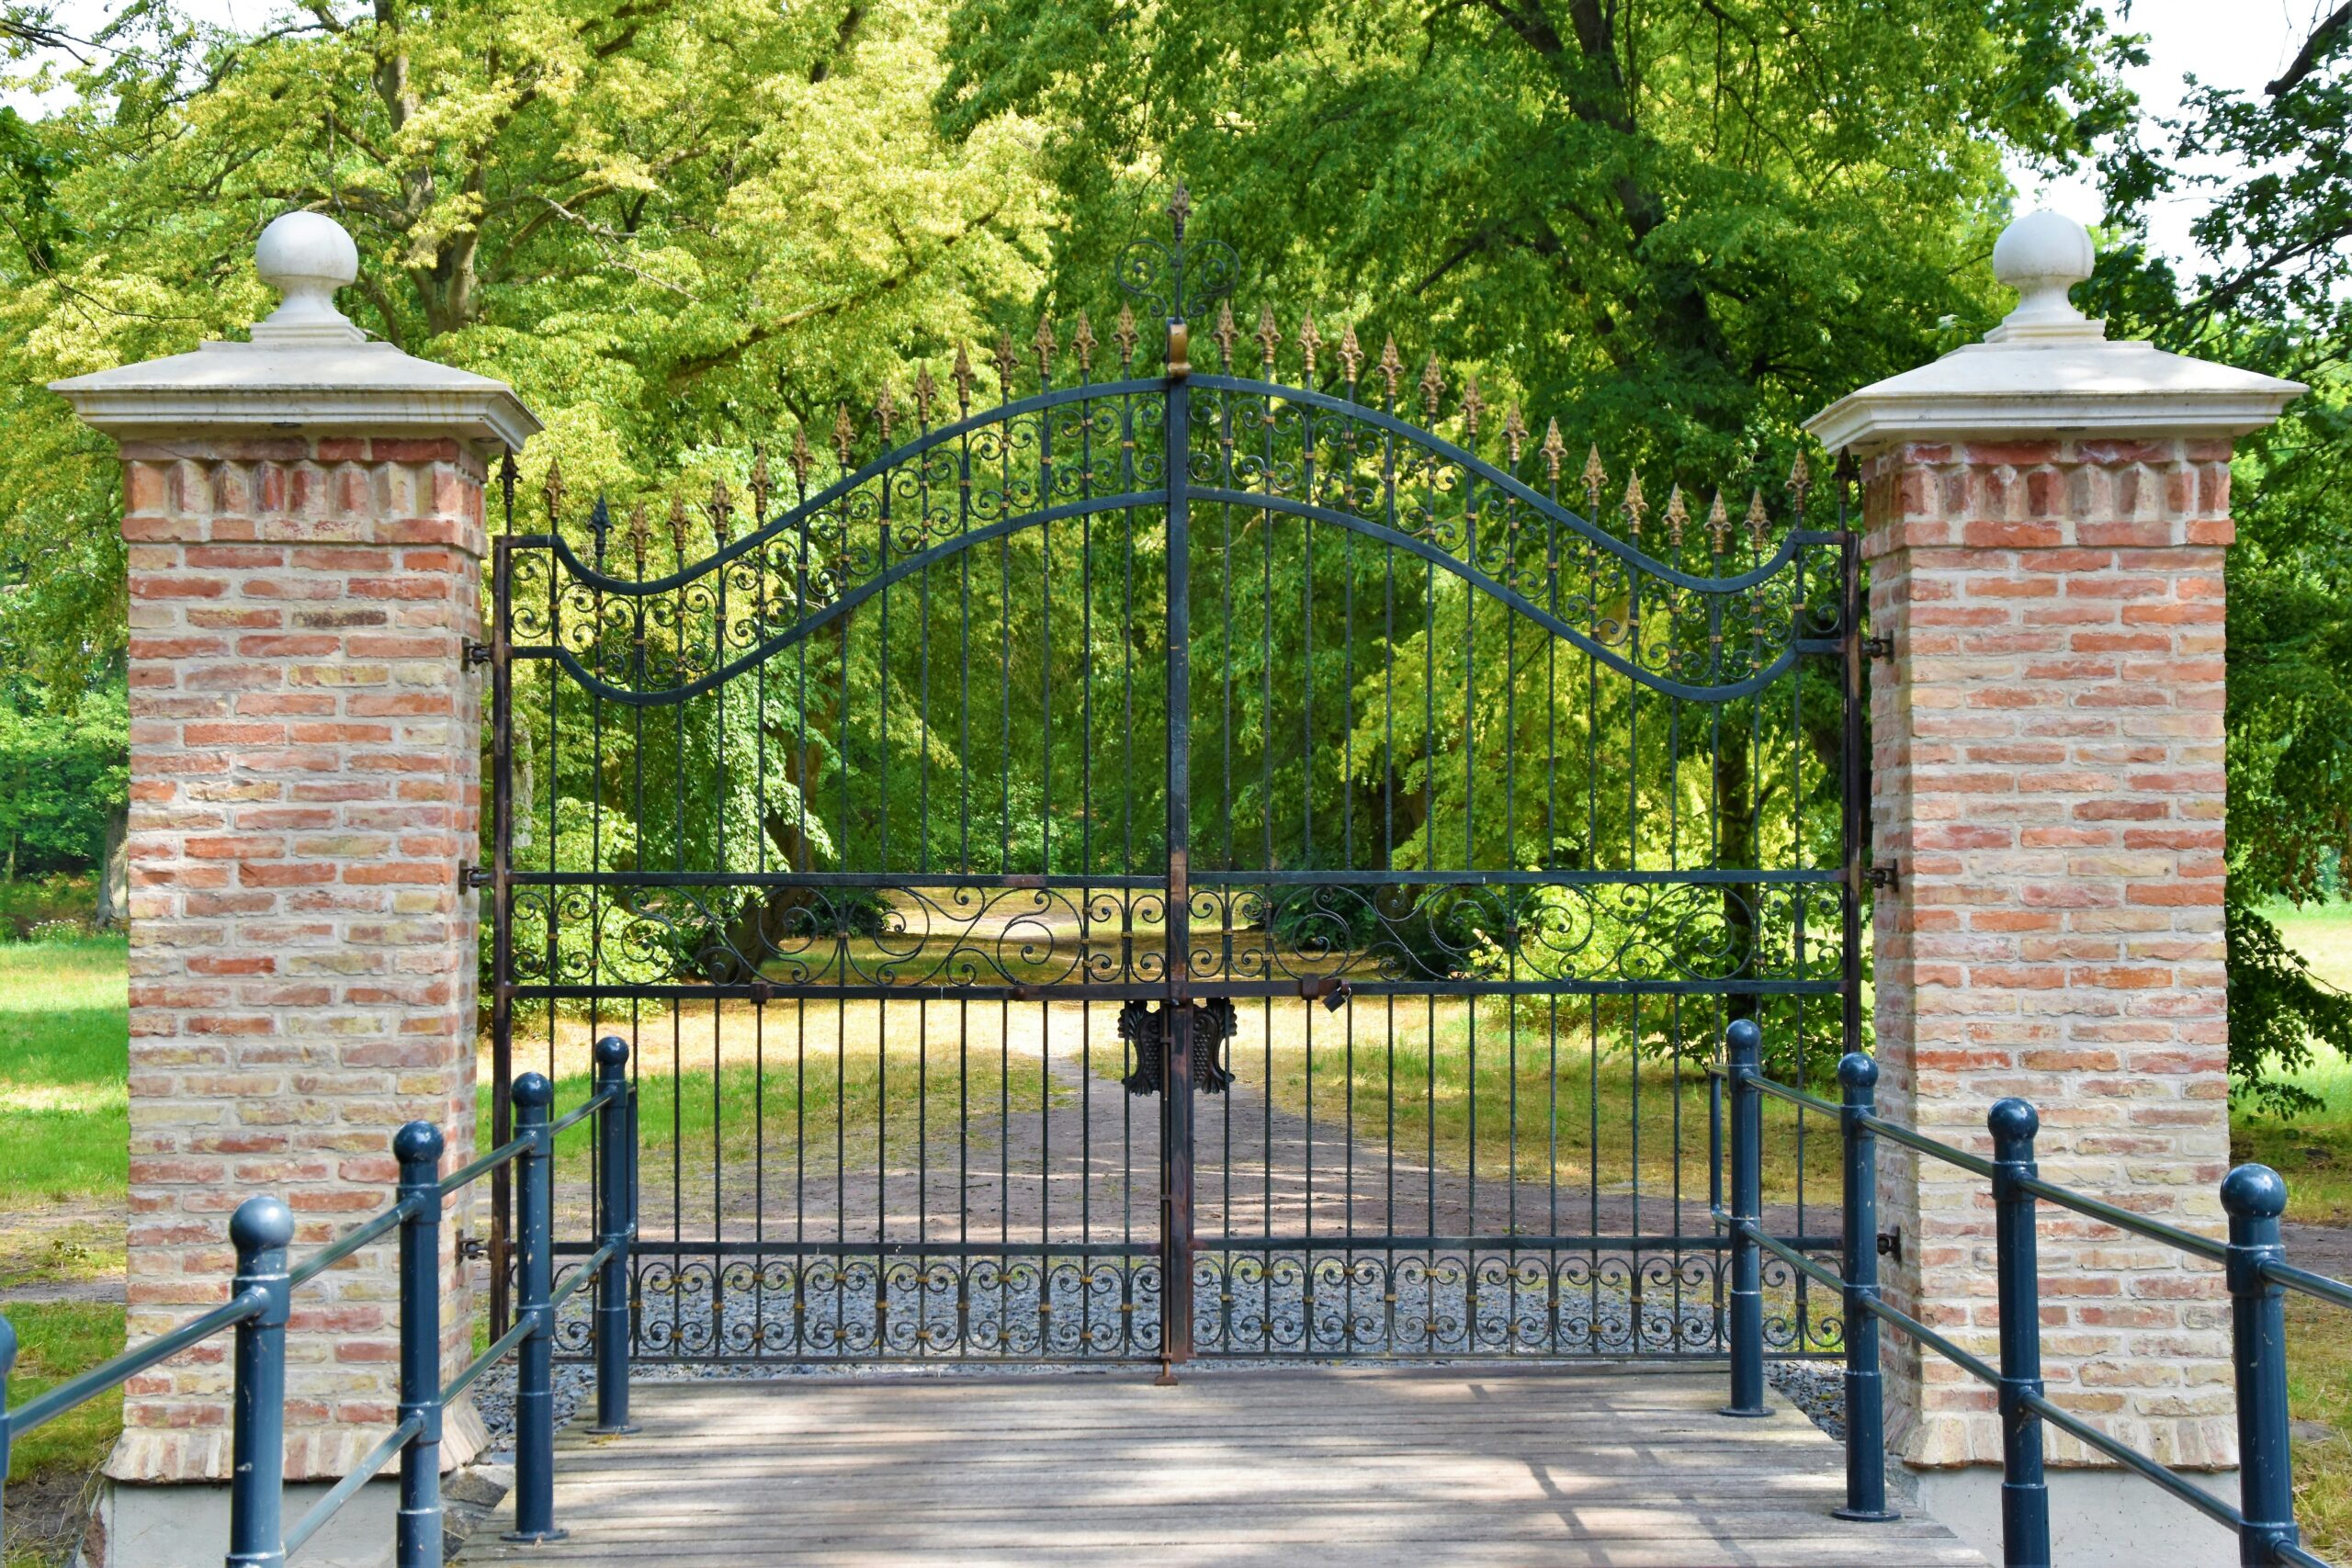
x,y
2253,1257
260,1302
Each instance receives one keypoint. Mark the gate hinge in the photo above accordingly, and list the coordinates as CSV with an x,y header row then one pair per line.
x,y
1886,875
477,653
1878,648
1889,1244
473,1247
475,877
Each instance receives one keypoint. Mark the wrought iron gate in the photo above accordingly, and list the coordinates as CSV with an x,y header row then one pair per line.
x,y
896,821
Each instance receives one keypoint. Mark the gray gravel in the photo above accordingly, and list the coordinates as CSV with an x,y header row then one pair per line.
x,y
1817,1388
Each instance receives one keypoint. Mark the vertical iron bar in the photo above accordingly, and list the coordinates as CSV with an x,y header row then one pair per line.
x,y
2254,1197
1865,1412
616,1225
260,1230
502,918
535,1369
2025,1494
1743,1041
1176,1054
418,1148
7,1426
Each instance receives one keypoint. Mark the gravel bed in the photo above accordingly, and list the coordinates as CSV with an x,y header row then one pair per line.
x,y
1817,1388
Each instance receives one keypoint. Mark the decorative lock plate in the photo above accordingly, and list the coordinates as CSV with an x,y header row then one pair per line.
x,y
1143,1027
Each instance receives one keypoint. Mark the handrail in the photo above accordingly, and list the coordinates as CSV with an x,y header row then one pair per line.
x,y
2258,1277
259,1306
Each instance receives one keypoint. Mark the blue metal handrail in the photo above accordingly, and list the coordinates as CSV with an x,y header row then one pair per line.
x,y
2256,1272
259,1304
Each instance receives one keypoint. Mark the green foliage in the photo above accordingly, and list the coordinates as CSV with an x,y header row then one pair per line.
x,y
62,776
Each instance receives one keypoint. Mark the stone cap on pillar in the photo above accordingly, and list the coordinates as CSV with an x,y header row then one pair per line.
x,y
307,370
2048,372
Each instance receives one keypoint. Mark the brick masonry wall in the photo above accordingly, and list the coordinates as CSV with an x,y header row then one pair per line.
x,y
305,783
2049,777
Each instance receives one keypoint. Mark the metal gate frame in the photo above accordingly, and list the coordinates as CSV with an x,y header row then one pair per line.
x,y
1177,281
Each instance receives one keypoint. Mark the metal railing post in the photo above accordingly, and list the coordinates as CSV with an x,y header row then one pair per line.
x,y
616,1226
2025,1494
1743,1044
418,1148
535,1361
7,1426
2255,1196
1865,1406
261,1230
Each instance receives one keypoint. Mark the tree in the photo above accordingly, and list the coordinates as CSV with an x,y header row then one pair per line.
x,y
2273,290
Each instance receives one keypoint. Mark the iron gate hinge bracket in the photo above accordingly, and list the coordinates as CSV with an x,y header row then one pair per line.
x,y
477,653
472,1247
1878,648
475,877
1889,1244
1886,875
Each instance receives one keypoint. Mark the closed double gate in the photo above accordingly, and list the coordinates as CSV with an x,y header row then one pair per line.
x,y
1178,864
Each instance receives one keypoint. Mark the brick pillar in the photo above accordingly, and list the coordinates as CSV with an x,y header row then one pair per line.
x,y
2046,515
304,516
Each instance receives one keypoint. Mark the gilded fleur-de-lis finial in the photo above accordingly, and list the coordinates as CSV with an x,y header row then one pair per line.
x,y
1432,386
639,536
886,412
1392,367
762,485
1553,450
1309,340
1514,431
1225,331
600,527
678,526
1350,352
1004,363
926,391
1760,523
842,434
1678,517
1179,209
1718,522
1082,342
1269,337
1044,342
1595,477
552,489
1635,504
801,460
1474,403
963,374
1124,334
721,505
1800,481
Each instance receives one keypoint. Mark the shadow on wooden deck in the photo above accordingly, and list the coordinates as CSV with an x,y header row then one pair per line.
x,y
1359,1467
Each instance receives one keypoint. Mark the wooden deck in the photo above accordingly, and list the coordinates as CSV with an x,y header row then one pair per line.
x,y
1356,1467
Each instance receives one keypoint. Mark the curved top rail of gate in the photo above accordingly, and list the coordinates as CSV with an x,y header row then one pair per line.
x,y
1095,447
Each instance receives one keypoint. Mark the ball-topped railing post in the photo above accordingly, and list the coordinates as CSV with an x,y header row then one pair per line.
x,y
418,1147
2025,1492
260,1230
2253,1196
534,1358
616,1229
1865,1394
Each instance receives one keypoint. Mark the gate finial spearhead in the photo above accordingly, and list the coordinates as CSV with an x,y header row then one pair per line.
x,y
1179,209
762,486
1004,363
600,527
721,505
1759,522
1474,403
1124,334
1514,431
842,434
678,526
886,412
1718,523
801,460
1350,354
1081,343
926,389
1635,504
1678,517
1432,386
1392,367
1799,482
639,538
1595,476
1309,340
1553,450
1224,333
1269,338
552,490
963,375
1043,344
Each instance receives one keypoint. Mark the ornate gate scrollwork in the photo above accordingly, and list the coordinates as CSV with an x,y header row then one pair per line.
x,y
1143,1026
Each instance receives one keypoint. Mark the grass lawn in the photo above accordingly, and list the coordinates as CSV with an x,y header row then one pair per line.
x,y
64,1135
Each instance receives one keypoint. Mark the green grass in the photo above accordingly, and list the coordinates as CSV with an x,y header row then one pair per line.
x,y
2312,1151
64,1095
2319,1389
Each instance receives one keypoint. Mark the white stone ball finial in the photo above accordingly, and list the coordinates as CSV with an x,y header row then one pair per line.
x,y
2041,255
306,256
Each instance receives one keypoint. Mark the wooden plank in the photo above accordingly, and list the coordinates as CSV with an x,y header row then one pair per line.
x,y
1359,1468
